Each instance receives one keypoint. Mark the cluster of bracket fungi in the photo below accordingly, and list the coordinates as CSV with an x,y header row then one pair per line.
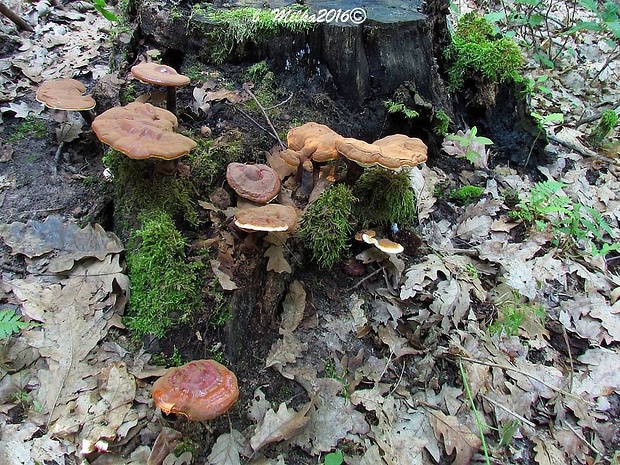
x,y
204,389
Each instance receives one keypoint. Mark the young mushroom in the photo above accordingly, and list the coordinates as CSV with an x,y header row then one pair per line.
x,y
200,390
161,75
140,131
255,182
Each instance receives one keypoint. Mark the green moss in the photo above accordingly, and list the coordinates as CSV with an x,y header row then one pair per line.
x,y
608,121
31,127
257,71
139,189
441,123
326,225
165,288
227,27
476,50
396,107
466,194
385,197
208,161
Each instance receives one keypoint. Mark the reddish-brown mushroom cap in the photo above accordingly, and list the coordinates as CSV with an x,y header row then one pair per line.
x,y
161,75
399,150
200,390
140,130
270,218
255,182
391,152
311,141
64,94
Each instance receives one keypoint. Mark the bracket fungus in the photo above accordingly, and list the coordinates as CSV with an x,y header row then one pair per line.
x,y
161,75
269,218
255,182
391,152
200,390
67,95
308,145
140,131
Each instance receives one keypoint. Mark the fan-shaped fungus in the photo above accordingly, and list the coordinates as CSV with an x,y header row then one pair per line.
x,y
258,183
310,143
270,218
140,130
200,390
66,94
162,75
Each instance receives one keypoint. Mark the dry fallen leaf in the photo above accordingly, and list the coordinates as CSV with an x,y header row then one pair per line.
x,y
280,426
457,438
228,448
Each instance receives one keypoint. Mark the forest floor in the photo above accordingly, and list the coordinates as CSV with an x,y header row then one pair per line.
x,y
493,328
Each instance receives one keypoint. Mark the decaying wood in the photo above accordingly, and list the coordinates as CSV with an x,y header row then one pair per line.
x,y
15,18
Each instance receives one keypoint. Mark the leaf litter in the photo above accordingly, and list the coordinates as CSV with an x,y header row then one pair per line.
x,y
378,373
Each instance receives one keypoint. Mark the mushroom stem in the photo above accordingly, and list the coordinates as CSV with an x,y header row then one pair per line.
x,y
167,167
171,100
88,116
354,171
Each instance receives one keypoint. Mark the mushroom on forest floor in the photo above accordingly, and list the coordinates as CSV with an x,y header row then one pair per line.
x,y
392,152
65,95
308,145
140,131
161,75
268,218
255,182
200,390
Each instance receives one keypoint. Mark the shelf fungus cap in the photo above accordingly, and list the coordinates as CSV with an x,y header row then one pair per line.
x,y
140,130
392,152
200,390
270,218
161,75
255,182
313,141
388,246
64,94
399,150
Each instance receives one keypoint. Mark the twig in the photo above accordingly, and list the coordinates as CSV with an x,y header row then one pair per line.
x,y
587,443
586,152
474,409
364,279
281,103
15,18
510,412
593,117
529,375
58,157
260,126
246,87
609,59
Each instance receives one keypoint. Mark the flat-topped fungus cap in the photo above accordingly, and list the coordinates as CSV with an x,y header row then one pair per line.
x,y
200,390
161,75
269,218
391,152
385,245
64,94
140,130
311,141
400,150
255,182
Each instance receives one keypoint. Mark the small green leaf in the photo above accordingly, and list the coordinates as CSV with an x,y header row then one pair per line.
x,y
334,458
10,323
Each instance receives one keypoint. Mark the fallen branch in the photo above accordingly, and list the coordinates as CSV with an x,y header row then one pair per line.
x,y
246,87
15,18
